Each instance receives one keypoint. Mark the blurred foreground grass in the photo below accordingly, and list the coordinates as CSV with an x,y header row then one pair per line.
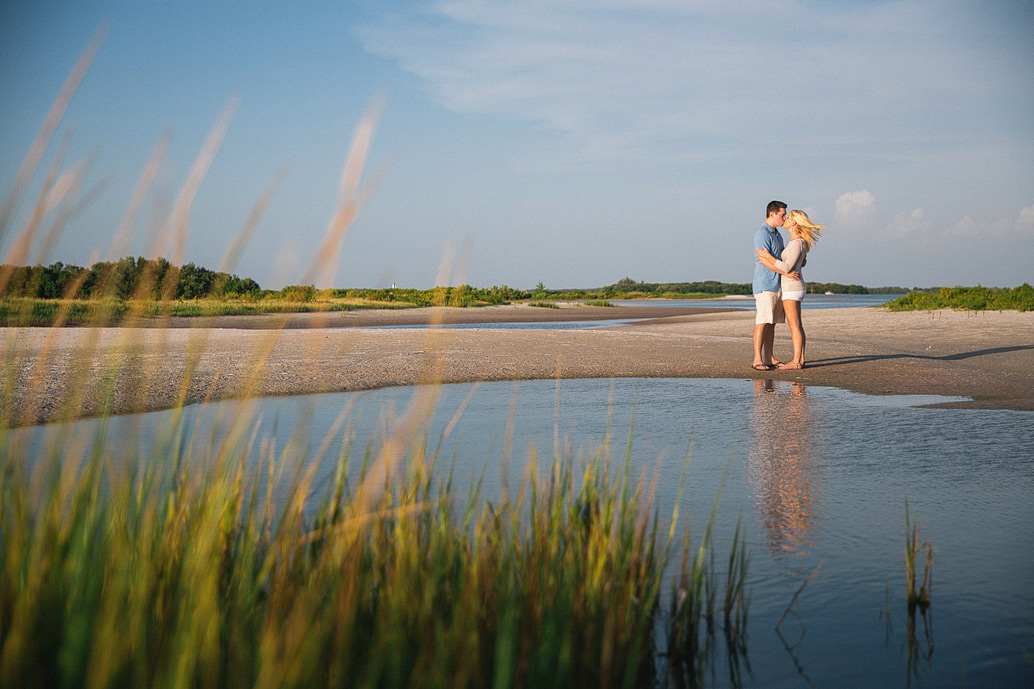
x,y
180,568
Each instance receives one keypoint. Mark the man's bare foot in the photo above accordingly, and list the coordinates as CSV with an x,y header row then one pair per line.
x,y
762,367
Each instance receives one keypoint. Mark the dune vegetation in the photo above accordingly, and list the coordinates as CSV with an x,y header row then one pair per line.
x,y
967,299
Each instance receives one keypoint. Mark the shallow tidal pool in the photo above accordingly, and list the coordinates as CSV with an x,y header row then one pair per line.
x,y
819,477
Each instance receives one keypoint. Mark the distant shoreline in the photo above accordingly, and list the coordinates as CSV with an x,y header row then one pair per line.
x,y
985,356
431,315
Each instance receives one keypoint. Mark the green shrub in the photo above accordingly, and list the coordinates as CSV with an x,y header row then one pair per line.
x,y
967,299
298,293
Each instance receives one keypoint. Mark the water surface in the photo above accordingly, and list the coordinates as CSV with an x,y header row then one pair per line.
x,y
811,301
820,477
533,325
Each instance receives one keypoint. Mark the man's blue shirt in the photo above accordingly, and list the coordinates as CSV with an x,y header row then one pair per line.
x,y
767,237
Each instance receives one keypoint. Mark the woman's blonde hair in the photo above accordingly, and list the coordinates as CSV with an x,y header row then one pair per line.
x,y
808,230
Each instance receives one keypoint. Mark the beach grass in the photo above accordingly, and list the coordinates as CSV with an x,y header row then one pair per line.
x,y
917,598
115,311
111,309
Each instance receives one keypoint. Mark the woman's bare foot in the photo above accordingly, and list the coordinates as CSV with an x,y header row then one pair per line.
x,y
790,366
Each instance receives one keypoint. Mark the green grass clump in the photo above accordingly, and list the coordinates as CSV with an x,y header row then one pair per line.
x,y
544,304
967,299
47,312
181,568
598,302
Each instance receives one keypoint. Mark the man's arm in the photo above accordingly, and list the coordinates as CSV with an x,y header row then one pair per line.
x,y
776,266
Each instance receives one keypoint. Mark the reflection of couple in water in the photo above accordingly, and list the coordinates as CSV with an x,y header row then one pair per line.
x,y
778,286
782,472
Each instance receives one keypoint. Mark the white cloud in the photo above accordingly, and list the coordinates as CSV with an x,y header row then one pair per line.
x,y
910,225
1000,233
854,209
625,78
1025,222
1018,227
969,228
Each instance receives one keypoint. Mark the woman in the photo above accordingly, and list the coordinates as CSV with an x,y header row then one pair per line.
x,y
803,233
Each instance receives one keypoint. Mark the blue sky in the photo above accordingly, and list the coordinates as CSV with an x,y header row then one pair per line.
x,y
572,142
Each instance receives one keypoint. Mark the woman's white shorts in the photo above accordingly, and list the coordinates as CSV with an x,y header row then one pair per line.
x,y
796,295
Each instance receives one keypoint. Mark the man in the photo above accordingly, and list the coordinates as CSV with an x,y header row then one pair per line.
x,y
767,293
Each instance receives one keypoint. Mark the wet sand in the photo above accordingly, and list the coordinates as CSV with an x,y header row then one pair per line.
x,y
985,356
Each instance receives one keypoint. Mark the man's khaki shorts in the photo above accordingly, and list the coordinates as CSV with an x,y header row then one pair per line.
x,y
770,308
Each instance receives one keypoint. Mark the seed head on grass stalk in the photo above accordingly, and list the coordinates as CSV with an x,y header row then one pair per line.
x,y
35,393
42,141
116,378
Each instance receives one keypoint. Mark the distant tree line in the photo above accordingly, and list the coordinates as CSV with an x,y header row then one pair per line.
x,y
462,295
158,280
628,285
128,278
465,295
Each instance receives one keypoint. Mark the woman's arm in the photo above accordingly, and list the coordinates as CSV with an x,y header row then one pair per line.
x,y
770,262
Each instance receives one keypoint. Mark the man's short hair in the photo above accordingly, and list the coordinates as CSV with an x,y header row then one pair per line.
x,y
774,207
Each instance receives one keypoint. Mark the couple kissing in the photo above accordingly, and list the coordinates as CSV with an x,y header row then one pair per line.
x,y
778,284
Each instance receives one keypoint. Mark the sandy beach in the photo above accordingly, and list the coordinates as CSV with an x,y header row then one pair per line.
x,y
987,357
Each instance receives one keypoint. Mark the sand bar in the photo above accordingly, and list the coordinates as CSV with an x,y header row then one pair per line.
x,y
985,356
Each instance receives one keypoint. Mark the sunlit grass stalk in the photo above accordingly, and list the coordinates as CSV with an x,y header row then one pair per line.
x,y
737,599
691,620
913,548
